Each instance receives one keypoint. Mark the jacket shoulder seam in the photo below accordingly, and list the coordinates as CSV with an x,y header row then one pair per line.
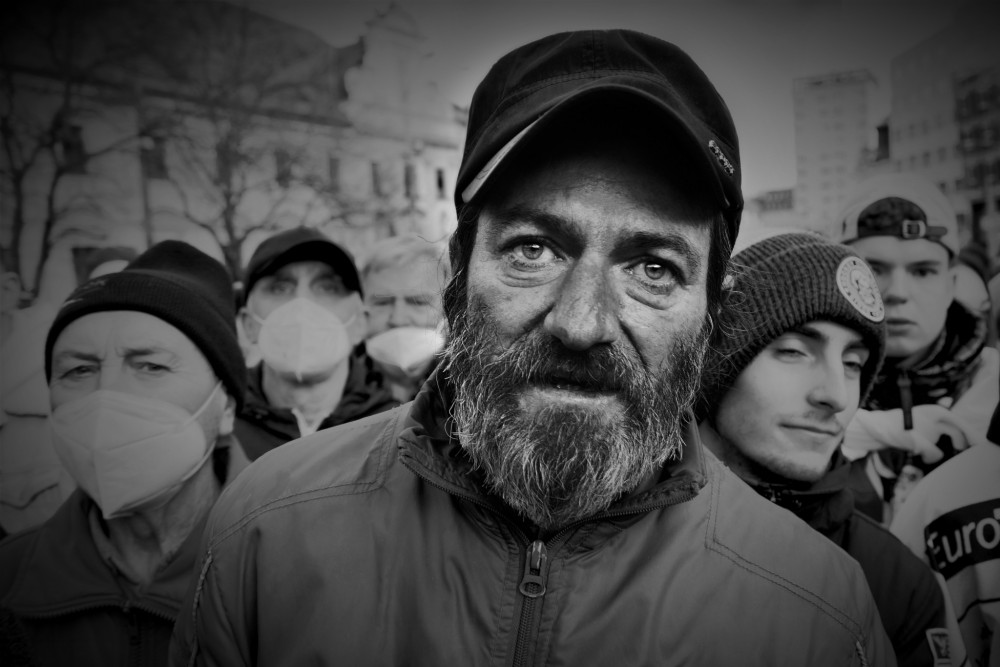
x,y
390,429
827,608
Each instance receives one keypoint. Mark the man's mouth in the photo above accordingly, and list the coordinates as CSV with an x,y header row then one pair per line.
x,y
821,431
898,322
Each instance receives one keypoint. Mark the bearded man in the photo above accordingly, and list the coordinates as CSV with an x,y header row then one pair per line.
x,y
545,499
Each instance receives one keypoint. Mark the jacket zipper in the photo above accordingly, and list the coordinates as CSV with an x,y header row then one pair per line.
x,y
532,587
533,583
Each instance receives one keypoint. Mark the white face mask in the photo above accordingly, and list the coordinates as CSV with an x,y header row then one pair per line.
x,y
302,338
128,451
407,350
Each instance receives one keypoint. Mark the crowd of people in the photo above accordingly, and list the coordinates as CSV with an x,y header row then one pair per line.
x,y
601,425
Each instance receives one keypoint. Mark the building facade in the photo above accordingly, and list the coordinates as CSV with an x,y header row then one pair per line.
x,y
220,148
833,128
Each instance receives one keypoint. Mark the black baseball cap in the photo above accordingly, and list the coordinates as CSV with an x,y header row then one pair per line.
x,y
537,82
300,244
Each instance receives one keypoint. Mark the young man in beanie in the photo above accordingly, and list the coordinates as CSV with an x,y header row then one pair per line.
x,y
938,386
305,314
545,498
807,338
145,376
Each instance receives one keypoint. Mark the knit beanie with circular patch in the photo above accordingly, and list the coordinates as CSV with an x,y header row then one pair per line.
x,y
782,282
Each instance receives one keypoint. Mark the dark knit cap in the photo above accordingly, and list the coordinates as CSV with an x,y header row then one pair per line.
x,y
179,284
300,244
780,283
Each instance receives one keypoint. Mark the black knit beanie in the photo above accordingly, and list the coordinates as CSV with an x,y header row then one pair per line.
x,y
179,284
783,282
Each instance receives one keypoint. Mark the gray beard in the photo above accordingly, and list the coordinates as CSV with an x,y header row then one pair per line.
x,y
560,464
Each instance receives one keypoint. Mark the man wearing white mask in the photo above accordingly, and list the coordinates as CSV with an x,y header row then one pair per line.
x,y
403,280
304,312
145,376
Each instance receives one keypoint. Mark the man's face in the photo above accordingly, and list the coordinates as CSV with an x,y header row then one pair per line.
x,y
316,281
787,411
139,354
917,287
579,349
400,296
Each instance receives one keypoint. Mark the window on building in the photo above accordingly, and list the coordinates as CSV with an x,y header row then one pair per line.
x,y
333,173
378,180
71,154
942,154
410,179
153,156
926,158
439,182
282,167
943,186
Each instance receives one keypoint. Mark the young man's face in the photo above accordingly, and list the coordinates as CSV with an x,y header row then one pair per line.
x,y
787,411
917,286
583,335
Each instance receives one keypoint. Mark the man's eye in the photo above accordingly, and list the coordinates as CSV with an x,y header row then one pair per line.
x,y
279,287
532,251
77,373
418,300
150,367
382,300
655,274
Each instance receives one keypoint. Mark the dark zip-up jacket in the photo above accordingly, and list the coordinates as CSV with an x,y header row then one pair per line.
x,y
260,427
374,543
62,603
908,597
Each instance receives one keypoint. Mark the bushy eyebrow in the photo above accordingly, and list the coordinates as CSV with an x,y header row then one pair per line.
x,y
569,231
76,355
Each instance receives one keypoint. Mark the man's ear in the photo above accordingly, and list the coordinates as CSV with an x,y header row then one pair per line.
x,y
246,327
228,417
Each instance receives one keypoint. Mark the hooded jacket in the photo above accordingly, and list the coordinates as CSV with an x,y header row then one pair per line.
x,y
908,597
960,370
62,602
375,543
261,427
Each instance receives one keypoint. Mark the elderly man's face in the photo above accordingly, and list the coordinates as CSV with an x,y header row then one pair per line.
x,y
583,336
139,354
408,295
312,280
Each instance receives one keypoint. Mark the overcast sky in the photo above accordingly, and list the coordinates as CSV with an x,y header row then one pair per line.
x,y
751,50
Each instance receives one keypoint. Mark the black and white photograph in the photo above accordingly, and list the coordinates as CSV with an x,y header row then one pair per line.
x,y
460,332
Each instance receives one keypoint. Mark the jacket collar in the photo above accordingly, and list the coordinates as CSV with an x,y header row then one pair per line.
x,y
364,391
430,448
825,505
64,571
944,371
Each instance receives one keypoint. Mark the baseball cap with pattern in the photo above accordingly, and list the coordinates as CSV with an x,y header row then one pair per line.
x,y
537,82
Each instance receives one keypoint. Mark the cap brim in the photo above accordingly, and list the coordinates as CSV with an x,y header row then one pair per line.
x,y
618,86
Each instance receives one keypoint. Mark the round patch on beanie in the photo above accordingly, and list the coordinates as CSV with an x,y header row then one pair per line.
x,y
858,285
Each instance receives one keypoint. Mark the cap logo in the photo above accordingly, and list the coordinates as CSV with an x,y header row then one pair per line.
x,y
858,285
727,166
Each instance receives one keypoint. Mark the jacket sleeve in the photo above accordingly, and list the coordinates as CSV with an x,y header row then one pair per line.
x,y
216,625
974,408
874,648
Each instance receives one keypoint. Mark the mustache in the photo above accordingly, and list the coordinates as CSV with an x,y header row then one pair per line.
x,y
539,359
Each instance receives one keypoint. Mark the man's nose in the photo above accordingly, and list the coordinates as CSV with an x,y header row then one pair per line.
x,y
830,390
585,313
398,314
895,287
